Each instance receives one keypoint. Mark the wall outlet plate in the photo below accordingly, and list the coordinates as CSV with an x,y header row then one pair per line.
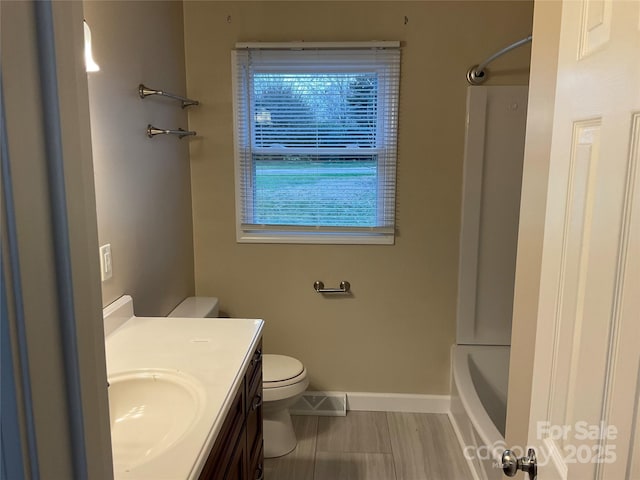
x,y
106,268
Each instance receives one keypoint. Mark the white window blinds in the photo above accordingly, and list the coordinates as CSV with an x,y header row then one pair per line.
x,y
315,143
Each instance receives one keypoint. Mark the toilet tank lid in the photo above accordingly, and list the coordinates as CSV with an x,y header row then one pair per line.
x,y
196,307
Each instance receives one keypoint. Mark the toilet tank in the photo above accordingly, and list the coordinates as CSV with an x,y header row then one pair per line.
x,y
196,307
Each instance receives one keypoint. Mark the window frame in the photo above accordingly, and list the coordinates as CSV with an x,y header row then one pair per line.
x,y
245,147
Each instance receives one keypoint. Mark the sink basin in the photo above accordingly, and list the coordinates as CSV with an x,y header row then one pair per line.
x,y
150,410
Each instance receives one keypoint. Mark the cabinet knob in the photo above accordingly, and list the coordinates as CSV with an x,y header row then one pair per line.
x,y
257,357
259,473
257,402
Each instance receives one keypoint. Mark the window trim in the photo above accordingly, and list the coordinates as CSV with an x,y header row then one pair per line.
x,y
251,233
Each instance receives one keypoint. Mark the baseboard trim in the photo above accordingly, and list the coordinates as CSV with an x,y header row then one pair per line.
x,y
398,402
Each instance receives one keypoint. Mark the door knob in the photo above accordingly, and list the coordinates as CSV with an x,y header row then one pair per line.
x,y
511,464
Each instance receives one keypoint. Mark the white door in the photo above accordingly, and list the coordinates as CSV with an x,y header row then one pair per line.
x,y
584,407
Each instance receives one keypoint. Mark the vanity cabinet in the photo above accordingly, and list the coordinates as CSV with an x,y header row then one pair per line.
x,y
237,453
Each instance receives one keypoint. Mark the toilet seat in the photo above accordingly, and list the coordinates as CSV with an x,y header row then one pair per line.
x,y
281,371
280,367
282,378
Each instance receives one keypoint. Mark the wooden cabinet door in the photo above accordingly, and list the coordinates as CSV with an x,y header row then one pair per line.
x,y
254,418
256,466
238,453
237,469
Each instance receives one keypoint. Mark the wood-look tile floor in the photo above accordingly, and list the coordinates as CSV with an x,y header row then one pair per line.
x,y
372,446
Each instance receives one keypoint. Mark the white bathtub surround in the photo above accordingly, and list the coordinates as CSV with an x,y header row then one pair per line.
x,y
478,392
206,356
492,177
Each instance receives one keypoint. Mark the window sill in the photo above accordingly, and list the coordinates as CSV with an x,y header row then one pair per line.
x,y
315,238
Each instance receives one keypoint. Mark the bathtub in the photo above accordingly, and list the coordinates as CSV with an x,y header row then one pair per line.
x,y
480,375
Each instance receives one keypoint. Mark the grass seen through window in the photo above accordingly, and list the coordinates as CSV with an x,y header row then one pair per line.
x,y
303,190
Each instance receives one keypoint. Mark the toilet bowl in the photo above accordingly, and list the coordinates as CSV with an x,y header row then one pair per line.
x,y
284,380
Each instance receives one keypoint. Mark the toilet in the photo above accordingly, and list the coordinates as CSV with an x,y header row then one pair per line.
x,y
284,379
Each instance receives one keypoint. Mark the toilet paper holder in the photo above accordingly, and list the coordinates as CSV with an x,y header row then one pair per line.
x,y
345,287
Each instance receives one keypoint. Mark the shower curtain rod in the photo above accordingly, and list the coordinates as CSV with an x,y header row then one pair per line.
x,y
476,74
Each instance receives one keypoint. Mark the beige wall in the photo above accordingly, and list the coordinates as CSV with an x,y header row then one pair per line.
x,y
143,190
394,334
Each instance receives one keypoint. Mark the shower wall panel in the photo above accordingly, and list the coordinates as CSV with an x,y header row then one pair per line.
x,y
494,150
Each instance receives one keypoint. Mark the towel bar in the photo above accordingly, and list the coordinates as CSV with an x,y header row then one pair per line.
x,y
345,287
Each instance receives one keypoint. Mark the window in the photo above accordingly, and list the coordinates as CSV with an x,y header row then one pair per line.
x,y
315,142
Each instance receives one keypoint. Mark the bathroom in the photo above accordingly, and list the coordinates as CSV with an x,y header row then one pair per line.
x,y
173,194
402,295
166,206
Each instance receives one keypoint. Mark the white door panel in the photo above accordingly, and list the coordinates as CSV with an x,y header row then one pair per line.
x,y
584,419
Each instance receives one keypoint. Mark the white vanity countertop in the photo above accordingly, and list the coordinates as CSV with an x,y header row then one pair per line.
x,y
214,351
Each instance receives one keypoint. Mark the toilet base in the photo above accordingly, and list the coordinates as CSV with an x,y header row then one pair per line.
x,y
279,437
